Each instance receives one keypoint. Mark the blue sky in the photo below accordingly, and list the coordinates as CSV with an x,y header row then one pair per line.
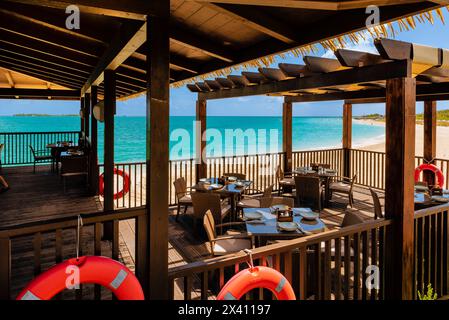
x,y
183,101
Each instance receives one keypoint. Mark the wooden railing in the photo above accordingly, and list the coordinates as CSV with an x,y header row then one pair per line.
x,y
431,250
329,265
369,167
334,157
16,144
32,248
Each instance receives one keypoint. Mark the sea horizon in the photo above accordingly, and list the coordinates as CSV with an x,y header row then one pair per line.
x,y
226,135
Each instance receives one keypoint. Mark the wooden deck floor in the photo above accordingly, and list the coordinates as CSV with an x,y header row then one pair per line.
x,y
40,196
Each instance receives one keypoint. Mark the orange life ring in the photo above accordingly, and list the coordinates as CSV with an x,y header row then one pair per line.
x,y
92,269
430,167
126,182
257,277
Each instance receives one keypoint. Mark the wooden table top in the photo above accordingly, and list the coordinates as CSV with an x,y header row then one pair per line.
x,y
321,174
269,227
231,188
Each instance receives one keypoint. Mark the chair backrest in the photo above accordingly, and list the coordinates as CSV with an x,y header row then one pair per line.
x,y
74,164
268,192
32,150
180,187
350,219
279,173
209,227
377,206
272,201
417,183
1,147
240,176
204,201
308,191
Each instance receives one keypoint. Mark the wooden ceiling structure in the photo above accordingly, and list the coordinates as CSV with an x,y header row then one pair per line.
x,y
206,36
356,77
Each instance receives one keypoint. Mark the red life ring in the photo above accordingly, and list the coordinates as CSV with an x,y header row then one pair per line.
x,y
126,182
92,269
257,277
430,167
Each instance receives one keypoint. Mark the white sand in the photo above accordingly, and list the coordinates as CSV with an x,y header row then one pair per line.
x,y
442,140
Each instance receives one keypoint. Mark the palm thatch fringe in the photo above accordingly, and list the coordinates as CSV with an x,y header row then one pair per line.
x,y
387,30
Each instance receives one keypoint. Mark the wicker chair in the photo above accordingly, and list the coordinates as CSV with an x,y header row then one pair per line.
x,y
225,244
284,180
249,201
378,212
344,186
272,201
39,156
204,201
183,196
308,192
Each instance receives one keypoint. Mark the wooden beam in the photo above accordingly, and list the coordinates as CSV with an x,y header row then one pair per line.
x,y
351,76
127,40
287,135
399,188
87,102
430,137
10,79
316,5
32,93
82,123
131,9
94,172
258,20
347,138
158,105
201,118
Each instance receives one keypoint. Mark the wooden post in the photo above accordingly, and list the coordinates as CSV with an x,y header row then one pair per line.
x,y
82,119
287,118
201,116
347,138
94,172
399,187
87,114
430,138
109,112
158,88
5,268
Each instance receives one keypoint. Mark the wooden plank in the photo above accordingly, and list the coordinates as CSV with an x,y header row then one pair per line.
x,y
355,59
157,149
399,187
27,93
5,268
94,172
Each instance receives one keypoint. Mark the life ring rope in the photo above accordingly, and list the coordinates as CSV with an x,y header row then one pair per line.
x,y
126,184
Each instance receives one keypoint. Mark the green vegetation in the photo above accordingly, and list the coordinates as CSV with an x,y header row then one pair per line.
x,y
44,115
373,116
442,115
429,295
442,118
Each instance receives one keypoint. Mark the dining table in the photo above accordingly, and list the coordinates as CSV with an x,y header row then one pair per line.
x,y
325,175
56,149
231,190
266,226
425,200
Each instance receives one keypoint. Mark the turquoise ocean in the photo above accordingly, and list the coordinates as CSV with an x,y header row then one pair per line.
x,y
226,135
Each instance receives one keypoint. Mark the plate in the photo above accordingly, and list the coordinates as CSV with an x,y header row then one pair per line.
x,y
232,179
216,186
309,215
440,199
203,180
287,226
253,215
239,184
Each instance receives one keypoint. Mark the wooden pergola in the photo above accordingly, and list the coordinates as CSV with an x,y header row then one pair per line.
x,y
125,48
401,74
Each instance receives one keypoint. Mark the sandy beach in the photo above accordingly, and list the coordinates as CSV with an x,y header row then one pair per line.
x,y
442,140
